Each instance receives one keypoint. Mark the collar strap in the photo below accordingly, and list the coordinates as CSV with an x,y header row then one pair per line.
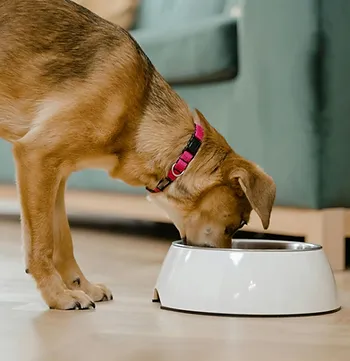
x,y
179,167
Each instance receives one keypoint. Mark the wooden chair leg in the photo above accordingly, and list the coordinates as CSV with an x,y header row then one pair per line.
x,y
328,229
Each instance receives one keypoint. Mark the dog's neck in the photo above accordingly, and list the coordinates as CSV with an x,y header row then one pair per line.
x,y
184,160
163,140
163,131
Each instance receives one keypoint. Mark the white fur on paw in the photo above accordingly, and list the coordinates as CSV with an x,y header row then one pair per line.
x,y
99,292
72,300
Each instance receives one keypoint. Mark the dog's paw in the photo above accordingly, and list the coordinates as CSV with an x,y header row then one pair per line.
x,y
99,292
71,300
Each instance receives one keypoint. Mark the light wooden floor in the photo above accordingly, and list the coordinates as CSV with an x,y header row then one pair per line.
x,y
132,328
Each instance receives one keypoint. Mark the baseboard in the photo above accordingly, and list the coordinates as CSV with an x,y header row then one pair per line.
x,y
327,227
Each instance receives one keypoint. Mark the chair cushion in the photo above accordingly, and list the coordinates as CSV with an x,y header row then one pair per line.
x,y
121,12
157,14
202,51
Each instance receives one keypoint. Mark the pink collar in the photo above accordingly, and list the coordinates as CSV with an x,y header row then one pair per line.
x,y
179,167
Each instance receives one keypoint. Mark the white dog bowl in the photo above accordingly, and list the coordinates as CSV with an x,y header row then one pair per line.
x,y
261,278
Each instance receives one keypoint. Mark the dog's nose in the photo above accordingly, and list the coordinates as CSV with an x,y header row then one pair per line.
x,y
184,240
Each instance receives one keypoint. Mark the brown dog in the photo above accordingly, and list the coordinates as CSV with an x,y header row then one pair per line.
x,y
77,91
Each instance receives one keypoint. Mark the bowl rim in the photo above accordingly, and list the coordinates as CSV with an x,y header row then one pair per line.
x,y
309,247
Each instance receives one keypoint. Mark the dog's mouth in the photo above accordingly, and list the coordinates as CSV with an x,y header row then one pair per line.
x,y
189,243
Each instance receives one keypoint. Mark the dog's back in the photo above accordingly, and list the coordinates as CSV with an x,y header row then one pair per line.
x,y
49,48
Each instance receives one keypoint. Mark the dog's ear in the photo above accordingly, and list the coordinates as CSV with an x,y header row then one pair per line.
x,y
258,187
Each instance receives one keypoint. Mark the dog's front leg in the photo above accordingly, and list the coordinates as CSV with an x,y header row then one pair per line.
x,y
38,177
64,259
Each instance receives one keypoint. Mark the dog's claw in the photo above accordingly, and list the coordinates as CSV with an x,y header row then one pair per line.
x,y
104,298
91,305
77,306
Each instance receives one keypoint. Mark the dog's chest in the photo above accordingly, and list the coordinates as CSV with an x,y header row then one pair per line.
x,y
106,162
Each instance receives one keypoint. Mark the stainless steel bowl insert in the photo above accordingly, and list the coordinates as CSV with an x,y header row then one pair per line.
x,y
253,245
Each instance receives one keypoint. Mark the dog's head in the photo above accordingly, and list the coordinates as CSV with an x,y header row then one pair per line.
x,y
220,193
